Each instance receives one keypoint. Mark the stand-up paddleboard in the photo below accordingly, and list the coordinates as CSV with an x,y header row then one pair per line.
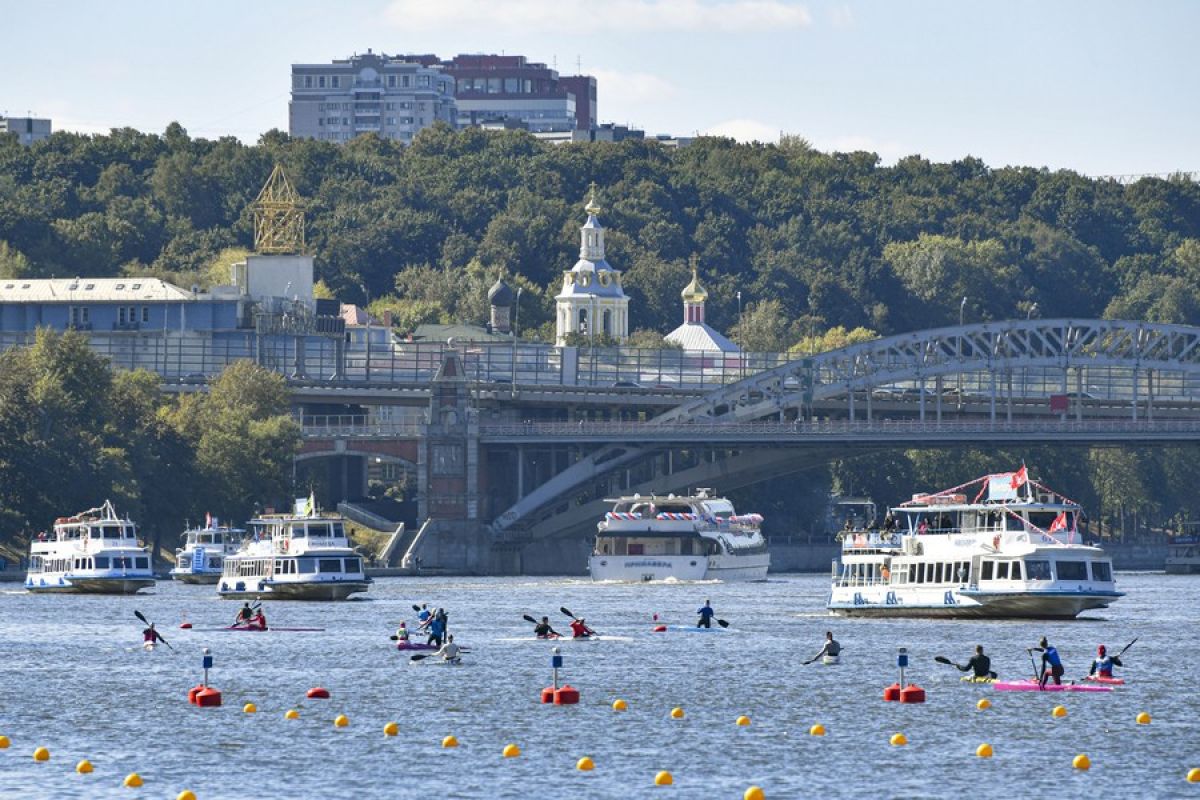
x,y
1032,686
1104,680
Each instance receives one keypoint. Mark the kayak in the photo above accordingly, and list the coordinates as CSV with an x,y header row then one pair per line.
x,y
974,679
1032,686
255,629
1104,680
438,662
687,629
414,646
830,660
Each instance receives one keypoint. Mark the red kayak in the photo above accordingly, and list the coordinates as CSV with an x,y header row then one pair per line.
x,y
258,629
1111,681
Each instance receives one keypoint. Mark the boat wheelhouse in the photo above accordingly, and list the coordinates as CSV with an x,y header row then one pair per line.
x,y
294,557
1014,550
693,537
202,557
1183,553
93,552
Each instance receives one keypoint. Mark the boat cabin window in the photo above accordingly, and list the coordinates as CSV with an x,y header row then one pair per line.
x,y
1044,519
353,565
1016,571
1001,570
1101,571
1037,570
1072,570
986,569
297,530
330,565
339,532
112,532
1014,522
101,562
307,565
637,549
318,529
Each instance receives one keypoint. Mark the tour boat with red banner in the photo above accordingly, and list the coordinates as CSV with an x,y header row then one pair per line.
x,y
1012,551
202,557
690,538
93,552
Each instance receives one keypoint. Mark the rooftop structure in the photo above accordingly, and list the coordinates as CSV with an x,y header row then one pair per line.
x,y
695,333
592,301
27,129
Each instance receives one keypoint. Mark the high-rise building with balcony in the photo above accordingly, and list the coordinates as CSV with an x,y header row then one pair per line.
x,y
373,93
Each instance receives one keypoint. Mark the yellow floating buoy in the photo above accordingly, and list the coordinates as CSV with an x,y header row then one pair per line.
x,y
250,708
585,764
1143,718
511,751
677,713
984,750
450,741
1193,775
83,767
1081,761
817,730
186,794
899,739
1058,712
4,742
133,780
743,720
619,705
41,754
984,704
663,779
291,713
341,721
391,729
753,793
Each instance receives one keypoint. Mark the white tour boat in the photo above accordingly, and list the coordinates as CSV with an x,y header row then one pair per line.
x,y
202,557
304,556
92,552
1183,555
691,538
1012,551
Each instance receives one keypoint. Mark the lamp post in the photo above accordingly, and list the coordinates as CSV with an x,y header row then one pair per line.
x,y
517,315
1032,309
962,308
739,298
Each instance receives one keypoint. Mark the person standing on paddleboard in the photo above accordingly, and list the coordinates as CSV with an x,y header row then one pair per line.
x,y
437,629
1104,663
1051,664
706,614
979,663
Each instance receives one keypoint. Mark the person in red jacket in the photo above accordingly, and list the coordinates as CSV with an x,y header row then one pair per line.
x,y
580,629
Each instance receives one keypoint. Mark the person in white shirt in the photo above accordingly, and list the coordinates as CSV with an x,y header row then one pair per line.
x,y
449,651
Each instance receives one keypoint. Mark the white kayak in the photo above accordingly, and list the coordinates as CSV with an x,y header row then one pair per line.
x,y
828,660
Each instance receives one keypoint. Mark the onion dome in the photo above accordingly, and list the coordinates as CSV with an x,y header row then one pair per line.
x,y
500,294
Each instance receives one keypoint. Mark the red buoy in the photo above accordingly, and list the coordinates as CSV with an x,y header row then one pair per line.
x,y
186,626
568,695
912,694
192,692
318,692
548,694
208,696
892,693
660,629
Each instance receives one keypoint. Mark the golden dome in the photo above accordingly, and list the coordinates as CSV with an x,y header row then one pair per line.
x,y
694,292
592,207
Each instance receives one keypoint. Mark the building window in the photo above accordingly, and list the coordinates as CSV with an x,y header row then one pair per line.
x,y
308,81
321,82
447,459
391,81
335,81
145,313
404,81
121,315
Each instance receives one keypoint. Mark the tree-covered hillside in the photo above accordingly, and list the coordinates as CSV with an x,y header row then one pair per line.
x,y
835,239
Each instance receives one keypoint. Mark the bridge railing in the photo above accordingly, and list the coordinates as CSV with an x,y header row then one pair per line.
x,y
337,426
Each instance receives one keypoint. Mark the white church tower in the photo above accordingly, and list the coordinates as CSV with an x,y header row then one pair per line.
x,y
592,302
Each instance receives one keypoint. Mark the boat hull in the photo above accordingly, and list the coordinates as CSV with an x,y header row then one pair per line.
x,y
317,590
638,569
91,586
196,578
884,601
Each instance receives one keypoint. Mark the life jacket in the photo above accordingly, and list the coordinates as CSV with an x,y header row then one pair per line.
x,y
1104,666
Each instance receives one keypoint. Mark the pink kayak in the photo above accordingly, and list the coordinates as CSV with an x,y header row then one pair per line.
x,y
414,646
1032,686
257,629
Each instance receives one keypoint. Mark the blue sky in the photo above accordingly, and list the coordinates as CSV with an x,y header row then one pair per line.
x,y
1100,87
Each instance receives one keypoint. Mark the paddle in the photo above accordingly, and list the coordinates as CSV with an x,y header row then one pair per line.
x,y
1036,677
142,617
567,611
1126,647
944,660
420,656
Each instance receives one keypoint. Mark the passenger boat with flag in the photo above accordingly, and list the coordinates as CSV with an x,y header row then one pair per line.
x,y
300,556
93,552
202,557
1013,550
690,538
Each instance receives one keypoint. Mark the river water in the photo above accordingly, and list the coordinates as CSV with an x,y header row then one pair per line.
x,y
73,679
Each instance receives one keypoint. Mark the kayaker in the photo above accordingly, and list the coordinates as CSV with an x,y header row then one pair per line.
x,y
706,614
151,636
543,630
402,632
450,651
259,621
437,630
831,648
580,629
244,615
1103,665
1051,664
979,663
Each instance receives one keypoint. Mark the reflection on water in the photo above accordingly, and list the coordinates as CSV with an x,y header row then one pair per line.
x,y
74,679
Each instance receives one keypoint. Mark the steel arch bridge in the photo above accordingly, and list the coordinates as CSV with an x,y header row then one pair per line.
x,y
1134,370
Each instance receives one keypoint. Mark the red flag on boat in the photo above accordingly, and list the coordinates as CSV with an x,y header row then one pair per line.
x,y
1060,522
1020,477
